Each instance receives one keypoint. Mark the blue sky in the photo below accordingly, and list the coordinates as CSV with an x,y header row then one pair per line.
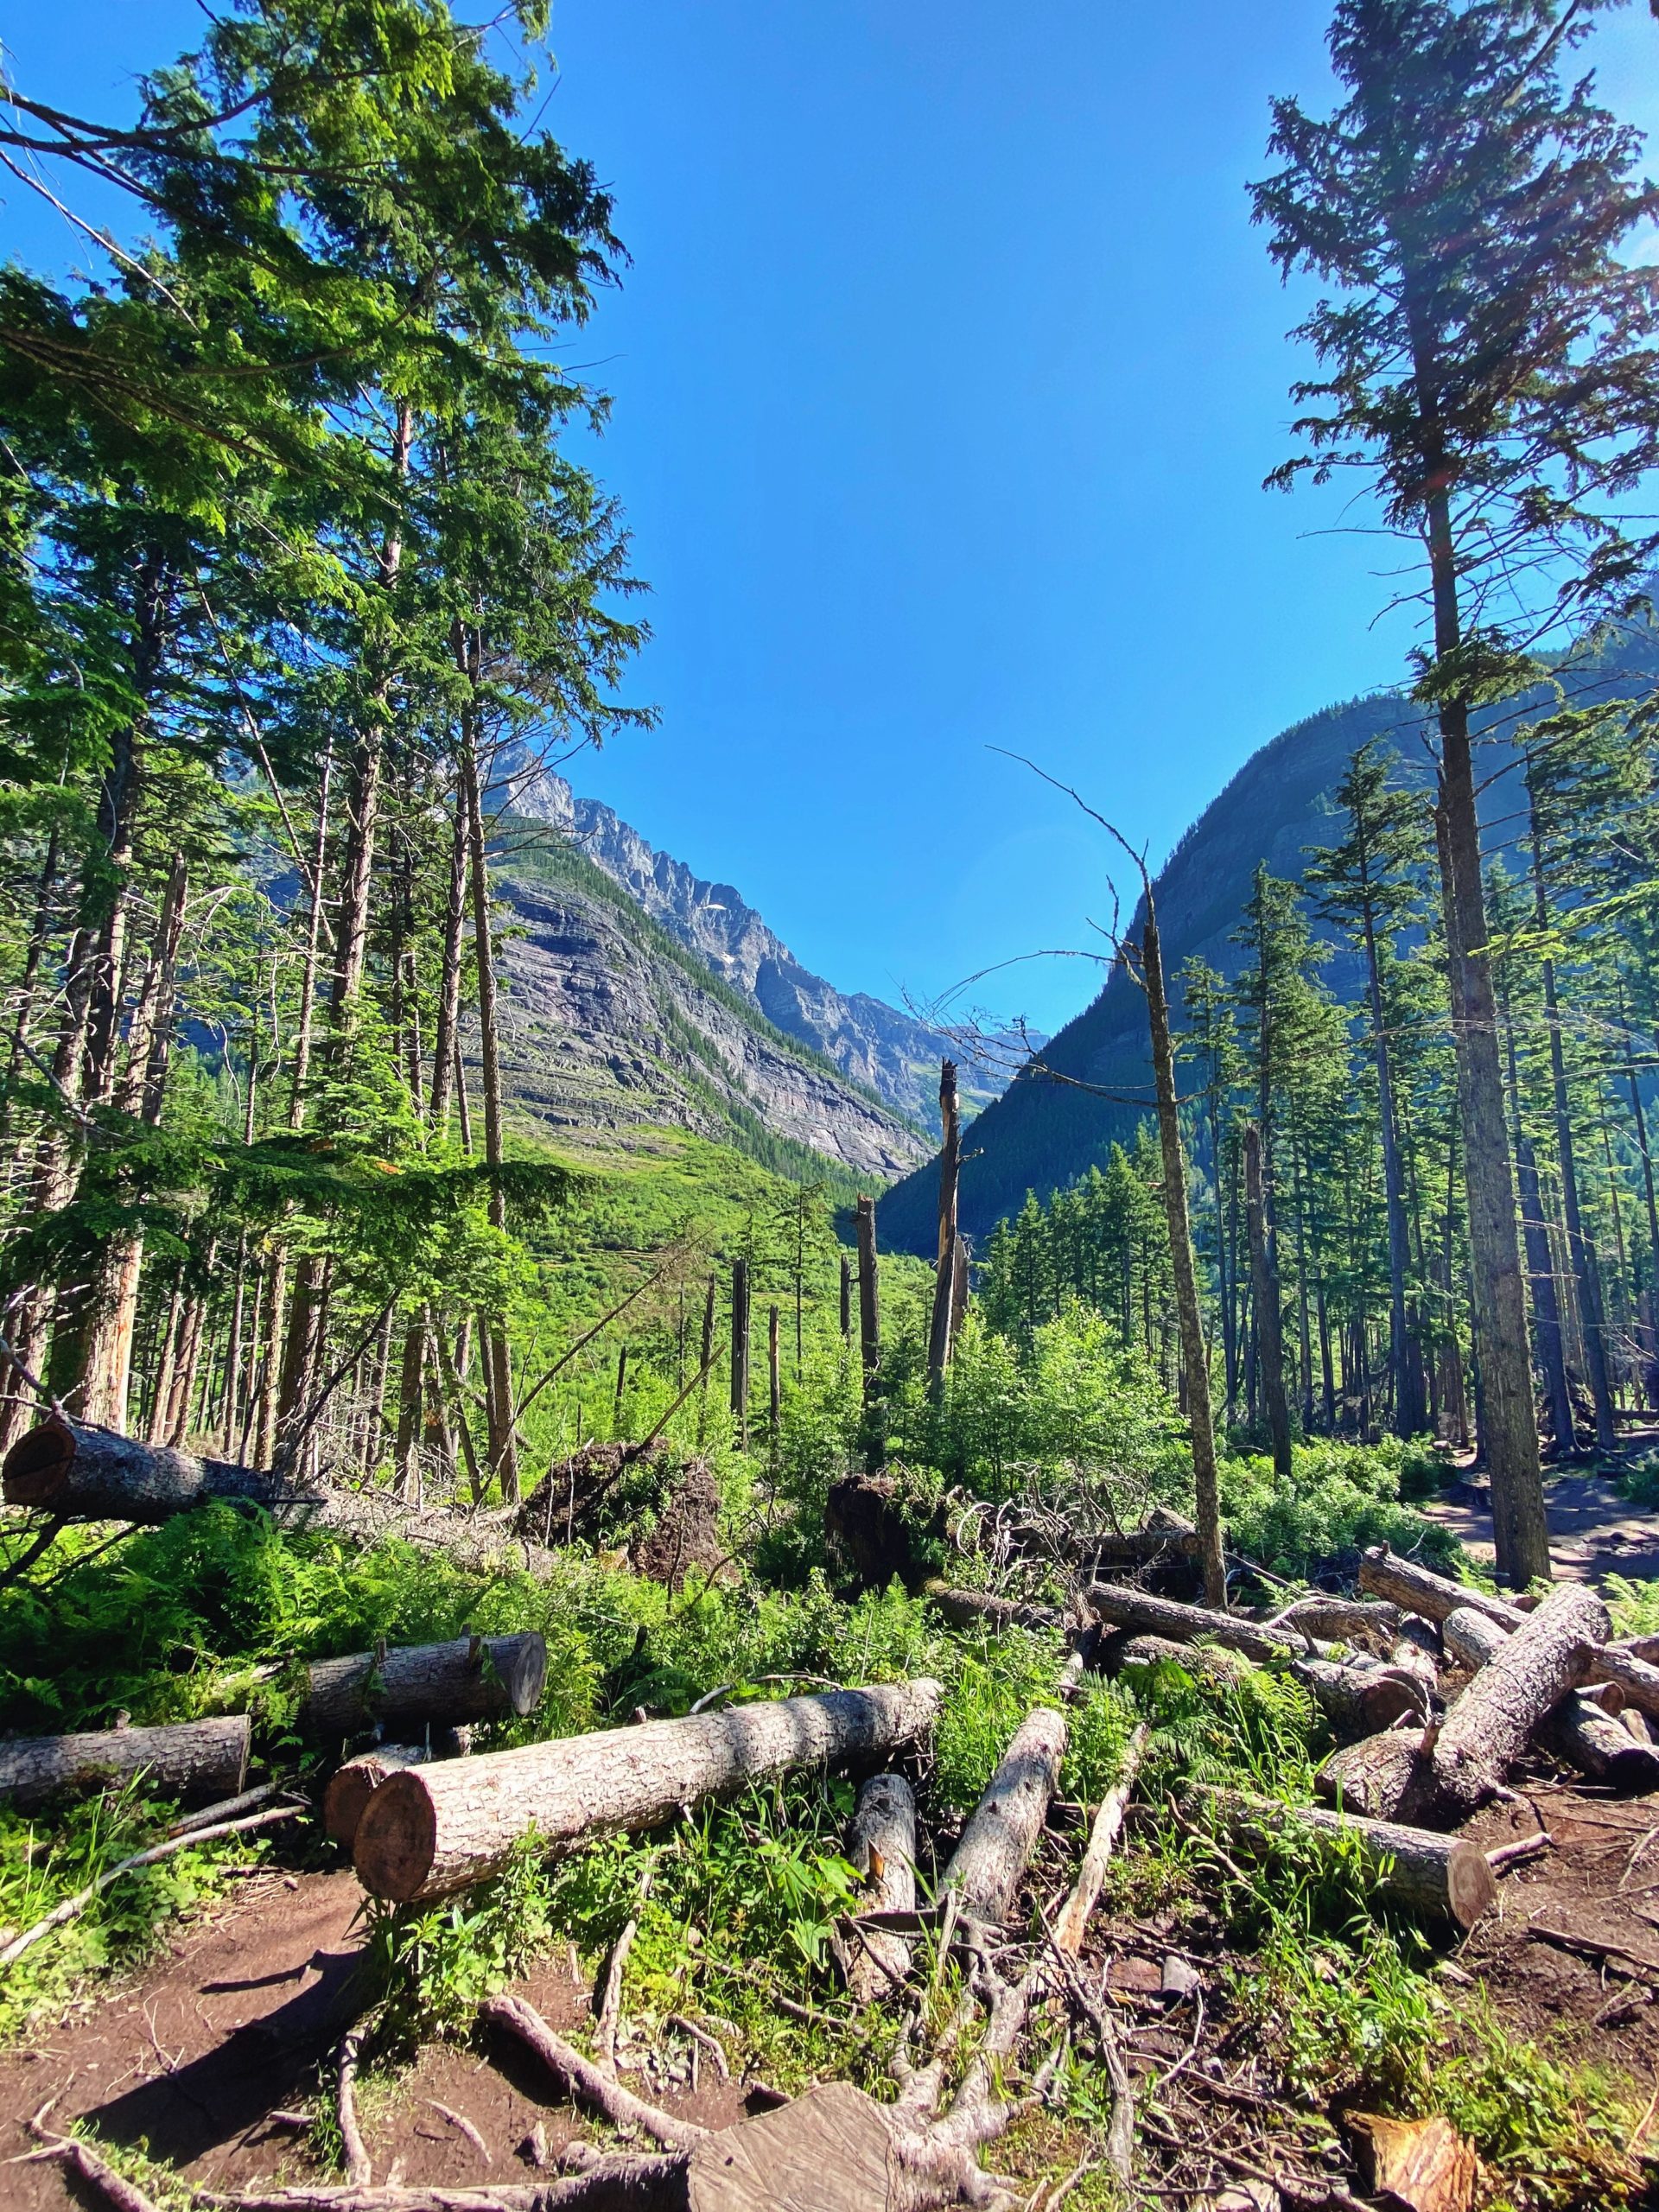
x,y
945,376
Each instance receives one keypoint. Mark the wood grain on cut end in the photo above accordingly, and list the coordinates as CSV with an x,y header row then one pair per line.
x,y
37,1466
396,1839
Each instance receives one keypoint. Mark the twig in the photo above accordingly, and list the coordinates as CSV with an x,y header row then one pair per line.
x,y
459,2119
359,2173
82,1898
228,1809
712,2044
43,1542
610,2005
1526,1846
620,2106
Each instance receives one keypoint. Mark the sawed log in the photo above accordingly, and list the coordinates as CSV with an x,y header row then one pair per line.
x,y
432,1829
1486,1728
1578,1730
881,1846
977,1608
474,1678
990,1860
1383,1778
199,1760
1435,1876
92,1474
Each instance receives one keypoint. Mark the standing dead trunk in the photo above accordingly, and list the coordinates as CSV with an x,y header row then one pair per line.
x,y
945,1267
706,1365
869,1307
434,1830
846,1300
1264,1284
1195,1355
739,1376
774,1382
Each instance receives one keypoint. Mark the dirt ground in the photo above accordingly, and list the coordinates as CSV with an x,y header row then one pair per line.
x,y
1594,1530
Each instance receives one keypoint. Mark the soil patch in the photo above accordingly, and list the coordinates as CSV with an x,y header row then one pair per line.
x,y
1594,1530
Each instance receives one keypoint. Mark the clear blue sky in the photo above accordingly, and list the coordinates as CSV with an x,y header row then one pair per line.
x,y
945,377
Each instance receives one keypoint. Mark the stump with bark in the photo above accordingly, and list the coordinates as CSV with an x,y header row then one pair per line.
x,y
432,1829
474,1678
199,1761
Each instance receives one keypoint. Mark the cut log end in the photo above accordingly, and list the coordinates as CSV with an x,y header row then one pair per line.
x,y
393,1851
1470,1886
521,1661
37,1466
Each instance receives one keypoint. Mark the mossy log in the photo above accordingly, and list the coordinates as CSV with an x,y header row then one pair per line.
x,y
432,1829
474,1678
990,1860
1436,1877
92,1474
197,1760
1486,1728
881,1846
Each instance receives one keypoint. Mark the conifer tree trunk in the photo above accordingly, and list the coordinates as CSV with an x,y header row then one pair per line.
x,y
1408,1411
1511,1430
1540,1269
940,1333
1195,1354
1264,1278
740,1362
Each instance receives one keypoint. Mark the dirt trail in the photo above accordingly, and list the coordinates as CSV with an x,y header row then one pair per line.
x,y
1594,1530
195,2056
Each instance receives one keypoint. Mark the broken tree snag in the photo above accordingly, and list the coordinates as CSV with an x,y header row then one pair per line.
x,y
1436,1876
986,1866
1487,1727
942,1332
870,1304
1418,1589
201,1760
475,1678
432,1829
882,1845
1103,1838
92,1474
1386,1777
1358,1701
971,1608
1145,1615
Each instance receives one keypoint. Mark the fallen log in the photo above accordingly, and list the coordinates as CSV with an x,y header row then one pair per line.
x,y
474,1678
1142,1613
355,1783
1069,1928
1211,1661
1354,1700
432,1829
198,1760
975,1608
1579,1730
990,1858
1382,1778
1372,1624
882,1845
1420,1590
1417,1652
92,1474
1486,1728
1437,1876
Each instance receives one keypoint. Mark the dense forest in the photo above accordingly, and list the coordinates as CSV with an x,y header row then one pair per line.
x,y
1074,1700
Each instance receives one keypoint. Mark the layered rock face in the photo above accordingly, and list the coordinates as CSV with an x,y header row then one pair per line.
x,y
890,1052
607,1024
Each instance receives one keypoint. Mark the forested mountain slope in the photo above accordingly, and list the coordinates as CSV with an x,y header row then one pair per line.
x,y
1046,1129
608,1023
887,1051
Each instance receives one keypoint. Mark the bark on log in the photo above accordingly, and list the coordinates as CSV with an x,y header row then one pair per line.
x,y
1437,1876
1369,1625
475,1678
1383,1778
92,1474
970,1608
199,1760
1208,1660
1579,1731
1358,1701
356,1782
1487,1727
1416,1652
1145,1615
432,1829
882,1845
1420,1590
986,1864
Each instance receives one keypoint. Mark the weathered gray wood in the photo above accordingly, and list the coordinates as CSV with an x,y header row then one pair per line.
x,y
1487,1727
474,1678
1371,1625
432,1829
1420,1590
1072,1924
882,1845
92,1474
201,1760
1437,1876
1417,1651
1143,1614
995,1848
